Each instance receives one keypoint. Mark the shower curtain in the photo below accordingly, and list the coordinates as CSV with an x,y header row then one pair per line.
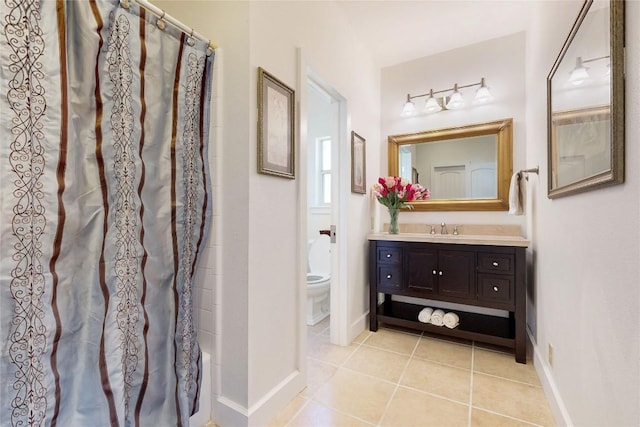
x,y
105,204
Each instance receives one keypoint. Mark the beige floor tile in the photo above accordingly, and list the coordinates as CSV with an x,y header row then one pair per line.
x,y
397,328
523,401
288,412
321,348
446,381
393,340
447,338
505,366
317,415
362,337
319,327
318,374
442,351
383,364
356,394
411,408
480,418
498,348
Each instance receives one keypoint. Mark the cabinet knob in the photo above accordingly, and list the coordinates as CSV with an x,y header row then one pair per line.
x,y
388,255
440,273
495,289
435,272
388,276
495,263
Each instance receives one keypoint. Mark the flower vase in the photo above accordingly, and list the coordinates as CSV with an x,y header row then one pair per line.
x,y
393,221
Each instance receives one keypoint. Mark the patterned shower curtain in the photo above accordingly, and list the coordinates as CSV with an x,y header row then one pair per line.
x,y
104,208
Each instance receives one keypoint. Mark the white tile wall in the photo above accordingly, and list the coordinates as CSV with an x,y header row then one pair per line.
x,y
208,273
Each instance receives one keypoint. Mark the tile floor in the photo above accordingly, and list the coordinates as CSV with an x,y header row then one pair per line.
x,y
403,378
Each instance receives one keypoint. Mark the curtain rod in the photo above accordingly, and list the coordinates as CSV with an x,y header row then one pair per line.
x,y
162,15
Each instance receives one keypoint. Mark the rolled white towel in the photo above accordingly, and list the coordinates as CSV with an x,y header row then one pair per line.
x,y
437,317
451,320
425,315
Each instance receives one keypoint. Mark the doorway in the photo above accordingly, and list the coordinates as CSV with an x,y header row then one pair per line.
x,y
325,139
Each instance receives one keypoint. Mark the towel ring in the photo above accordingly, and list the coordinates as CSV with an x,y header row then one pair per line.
x,y
191,41
160,22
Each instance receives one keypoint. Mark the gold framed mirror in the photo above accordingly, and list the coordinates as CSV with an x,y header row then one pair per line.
x,y
466,168
585,96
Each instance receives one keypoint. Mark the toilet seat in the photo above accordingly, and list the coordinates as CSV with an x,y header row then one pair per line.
x,y
313,279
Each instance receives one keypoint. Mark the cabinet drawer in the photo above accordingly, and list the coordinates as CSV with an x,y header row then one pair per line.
x,y
495,263
389,278
389,255
495,288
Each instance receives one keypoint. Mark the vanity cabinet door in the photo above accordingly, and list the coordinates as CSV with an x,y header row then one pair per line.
x,y
422,269
456,274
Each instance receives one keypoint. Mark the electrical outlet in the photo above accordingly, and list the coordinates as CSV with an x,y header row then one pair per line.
x,y
550,354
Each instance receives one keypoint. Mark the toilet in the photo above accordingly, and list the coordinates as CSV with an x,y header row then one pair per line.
x,y
318,279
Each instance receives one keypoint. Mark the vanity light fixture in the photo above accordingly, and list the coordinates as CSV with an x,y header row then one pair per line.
x,y
454,101
409,108
580,74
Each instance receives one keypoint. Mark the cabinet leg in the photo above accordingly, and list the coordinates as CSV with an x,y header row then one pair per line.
x,y
373,323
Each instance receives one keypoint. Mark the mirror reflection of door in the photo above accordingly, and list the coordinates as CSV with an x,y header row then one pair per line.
x,y
448,182
459,168
482,181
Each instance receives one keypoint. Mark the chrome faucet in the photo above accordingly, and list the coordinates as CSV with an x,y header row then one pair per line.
x,y
443,228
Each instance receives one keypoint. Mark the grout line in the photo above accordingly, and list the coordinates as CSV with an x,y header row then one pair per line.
x,y
386,349
439,396
415,347
510,379
324,405
293,417
508,416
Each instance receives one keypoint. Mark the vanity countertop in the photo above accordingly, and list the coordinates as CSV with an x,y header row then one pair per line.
x,y
461,239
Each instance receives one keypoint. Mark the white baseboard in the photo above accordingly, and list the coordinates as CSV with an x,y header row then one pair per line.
x,y
358,326
231,414
560,413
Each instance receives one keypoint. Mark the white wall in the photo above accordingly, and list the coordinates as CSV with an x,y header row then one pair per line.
x,y
585,292
277,29
259,332
584,295
502,62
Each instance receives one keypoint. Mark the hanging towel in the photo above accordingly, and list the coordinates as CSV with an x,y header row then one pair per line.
x,y
437,317
516,195
425,315
451,320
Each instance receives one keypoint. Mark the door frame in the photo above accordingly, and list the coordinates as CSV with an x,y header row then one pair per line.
x,y
339,319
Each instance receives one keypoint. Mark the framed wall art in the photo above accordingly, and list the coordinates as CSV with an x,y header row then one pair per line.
x,y
276,126
358,164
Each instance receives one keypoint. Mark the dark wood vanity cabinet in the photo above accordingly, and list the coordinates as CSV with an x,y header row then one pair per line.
x,y
431,271
473,275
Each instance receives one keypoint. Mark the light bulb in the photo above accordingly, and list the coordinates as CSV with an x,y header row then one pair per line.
x,y
456,101
579,74
432,105
409,109
483,95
